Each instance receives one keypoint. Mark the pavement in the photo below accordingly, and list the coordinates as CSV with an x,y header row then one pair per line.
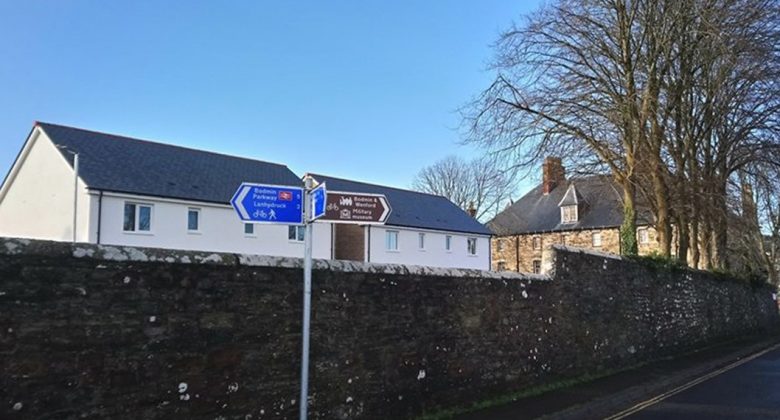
x,y
735,380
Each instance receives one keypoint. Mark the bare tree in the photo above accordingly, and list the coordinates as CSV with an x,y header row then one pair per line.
x,y
673,97
480,182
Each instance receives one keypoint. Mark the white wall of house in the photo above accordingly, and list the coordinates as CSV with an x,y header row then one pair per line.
x,y
434,252
220,229
36,201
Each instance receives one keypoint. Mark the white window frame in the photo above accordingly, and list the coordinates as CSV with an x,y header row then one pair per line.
x,y
596,240
569,214
253,234
644,236
137,218
499,245
297,229
421,241
197,220
536,242
536,266
388,235
448,243
469,248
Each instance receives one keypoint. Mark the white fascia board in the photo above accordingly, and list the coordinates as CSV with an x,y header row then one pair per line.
x,y
141,197
35,134
571,188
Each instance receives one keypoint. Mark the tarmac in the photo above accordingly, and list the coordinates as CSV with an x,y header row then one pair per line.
x,y
735,380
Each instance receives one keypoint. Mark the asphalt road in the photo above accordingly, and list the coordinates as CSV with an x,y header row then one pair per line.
x,y
748,391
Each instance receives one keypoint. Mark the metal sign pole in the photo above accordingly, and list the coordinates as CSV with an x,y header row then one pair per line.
x,y
306,298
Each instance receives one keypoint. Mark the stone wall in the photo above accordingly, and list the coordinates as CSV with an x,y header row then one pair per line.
x,y
518,253
104,332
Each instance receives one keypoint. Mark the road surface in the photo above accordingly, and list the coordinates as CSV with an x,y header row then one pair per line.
x,y
750,390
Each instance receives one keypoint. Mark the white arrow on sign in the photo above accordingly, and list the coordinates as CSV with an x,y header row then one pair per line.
x,y
383,217
239,201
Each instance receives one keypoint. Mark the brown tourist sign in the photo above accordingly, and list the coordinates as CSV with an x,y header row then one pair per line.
x,y
357,208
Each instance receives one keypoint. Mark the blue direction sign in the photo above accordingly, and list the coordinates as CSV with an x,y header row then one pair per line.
x,y
319,197
269,204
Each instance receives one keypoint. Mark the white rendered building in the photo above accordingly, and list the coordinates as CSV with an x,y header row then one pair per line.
x,y
141,193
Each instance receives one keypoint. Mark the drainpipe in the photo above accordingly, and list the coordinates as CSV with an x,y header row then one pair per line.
x,y
517,253
100,214
75,192
368,245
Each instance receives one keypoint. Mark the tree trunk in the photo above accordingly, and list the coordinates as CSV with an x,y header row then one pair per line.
x,y
720,228
628,245
694,240
663,224
682,239
706,243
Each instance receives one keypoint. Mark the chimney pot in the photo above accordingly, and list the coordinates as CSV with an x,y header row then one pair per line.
x,y
472,210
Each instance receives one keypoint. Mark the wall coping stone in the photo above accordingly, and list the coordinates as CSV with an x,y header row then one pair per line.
x,y
34,247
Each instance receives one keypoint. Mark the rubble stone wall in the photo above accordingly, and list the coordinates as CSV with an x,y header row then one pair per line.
x,y
91,331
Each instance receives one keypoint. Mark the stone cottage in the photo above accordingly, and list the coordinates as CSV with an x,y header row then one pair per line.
x,y
584,212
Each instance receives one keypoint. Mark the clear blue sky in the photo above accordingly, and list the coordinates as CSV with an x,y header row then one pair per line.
x,y
359,89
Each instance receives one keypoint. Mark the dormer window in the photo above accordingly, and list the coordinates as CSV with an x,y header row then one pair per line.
x,y
570,206
569,214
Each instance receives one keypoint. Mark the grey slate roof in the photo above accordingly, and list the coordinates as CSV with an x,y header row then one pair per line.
x,y
600,201
411,208
121,164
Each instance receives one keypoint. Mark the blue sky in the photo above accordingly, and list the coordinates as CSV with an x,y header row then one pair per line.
x,y
359,89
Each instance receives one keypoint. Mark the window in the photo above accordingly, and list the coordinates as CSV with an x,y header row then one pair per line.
x,y
193,220
448,242
138,218
537,242
296,233
421,240
249,229
564,239
501,266
537,266
569,214
596,239
391,240
499,245
471,246
643,236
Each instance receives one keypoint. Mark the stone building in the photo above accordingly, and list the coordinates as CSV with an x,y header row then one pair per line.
x,y
583,212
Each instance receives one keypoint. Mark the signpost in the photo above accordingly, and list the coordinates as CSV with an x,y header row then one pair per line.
x,y
275,204
269,204
356,208
318,201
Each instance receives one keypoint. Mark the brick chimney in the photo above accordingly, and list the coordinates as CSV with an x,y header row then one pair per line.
x,y
472,210
553,174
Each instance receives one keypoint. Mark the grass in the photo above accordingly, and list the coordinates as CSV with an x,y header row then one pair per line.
x,y
530,392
